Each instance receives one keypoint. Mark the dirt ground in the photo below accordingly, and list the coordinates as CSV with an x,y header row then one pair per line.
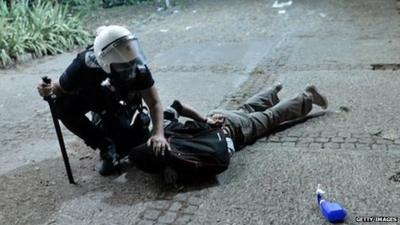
x,y
329,43
31,193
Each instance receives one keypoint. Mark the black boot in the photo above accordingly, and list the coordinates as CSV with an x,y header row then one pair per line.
x,y
109,161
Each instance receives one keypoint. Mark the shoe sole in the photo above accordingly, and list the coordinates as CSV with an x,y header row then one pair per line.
x,y
314,91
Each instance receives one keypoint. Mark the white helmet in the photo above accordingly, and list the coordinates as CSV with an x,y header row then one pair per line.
x,y
116,45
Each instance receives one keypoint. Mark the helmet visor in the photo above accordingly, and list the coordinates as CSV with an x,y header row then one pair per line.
x,y
123,52
119,67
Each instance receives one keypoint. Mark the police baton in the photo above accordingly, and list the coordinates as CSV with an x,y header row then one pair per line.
x,y
50,100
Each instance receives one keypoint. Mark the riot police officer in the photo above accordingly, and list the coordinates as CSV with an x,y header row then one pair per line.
x,y
107,79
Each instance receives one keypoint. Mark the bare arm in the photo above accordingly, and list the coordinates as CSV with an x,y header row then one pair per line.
x,y
215,120
57,89
192,113
152,100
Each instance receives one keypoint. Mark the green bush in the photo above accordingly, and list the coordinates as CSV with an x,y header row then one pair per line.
x,y
81,6
44,28
84,6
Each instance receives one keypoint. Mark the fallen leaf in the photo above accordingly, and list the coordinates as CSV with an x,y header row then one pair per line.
x,y
344,109
376,133
85,157
390,135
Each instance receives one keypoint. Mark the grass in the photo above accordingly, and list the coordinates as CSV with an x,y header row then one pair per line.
x,y
52,26
45,28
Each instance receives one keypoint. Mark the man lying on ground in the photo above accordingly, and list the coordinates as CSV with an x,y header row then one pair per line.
x,y
257,117
260,114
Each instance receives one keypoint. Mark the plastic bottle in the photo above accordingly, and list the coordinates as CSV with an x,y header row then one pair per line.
x,y
332,211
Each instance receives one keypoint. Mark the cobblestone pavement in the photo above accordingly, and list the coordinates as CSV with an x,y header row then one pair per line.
x,y
177,210
333,140
352,150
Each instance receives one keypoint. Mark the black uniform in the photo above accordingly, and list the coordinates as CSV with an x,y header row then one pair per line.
x,y
83,80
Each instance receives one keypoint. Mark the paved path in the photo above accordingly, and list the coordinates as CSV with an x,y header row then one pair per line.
x,y
216,54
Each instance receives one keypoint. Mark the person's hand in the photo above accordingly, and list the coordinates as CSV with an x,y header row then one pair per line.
x,y
45,89
215,120
159,144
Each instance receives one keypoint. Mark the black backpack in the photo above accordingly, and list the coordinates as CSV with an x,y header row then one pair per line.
x,y
196,148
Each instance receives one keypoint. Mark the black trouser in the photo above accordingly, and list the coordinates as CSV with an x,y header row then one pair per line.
x,y
114,126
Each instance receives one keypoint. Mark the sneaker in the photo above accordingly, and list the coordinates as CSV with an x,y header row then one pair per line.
x,y
277,87
316,97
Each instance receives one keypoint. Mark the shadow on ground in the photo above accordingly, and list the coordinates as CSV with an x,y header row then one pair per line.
x,y
46,187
